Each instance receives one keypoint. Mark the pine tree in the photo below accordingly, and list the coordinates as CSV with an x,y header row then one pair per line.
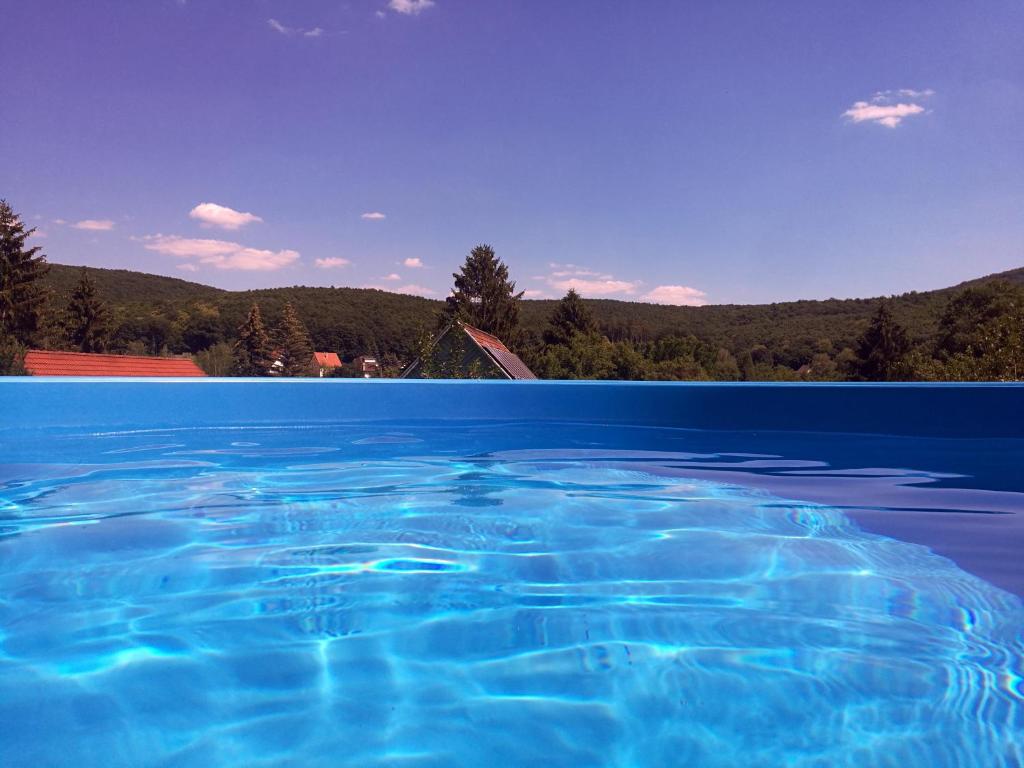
x,y
883,347
570,317
484,297
12,357
252,353
87,321
21,295
292,338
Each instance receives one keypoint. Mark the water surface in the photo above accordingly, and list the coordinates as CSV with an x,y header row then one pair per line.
x,y
514,594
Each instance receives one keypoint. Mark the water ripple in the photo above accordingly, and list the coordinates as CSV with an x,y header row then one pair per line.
x,y
407,603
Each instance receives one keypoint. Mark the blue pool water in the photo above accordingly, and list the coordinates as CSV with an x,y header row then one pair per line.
x,y
506,594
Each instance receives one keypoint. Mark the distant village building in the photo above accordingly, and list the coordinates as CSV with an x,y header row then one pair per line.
x,y
480,354
320,364
367,367
325,362
39,362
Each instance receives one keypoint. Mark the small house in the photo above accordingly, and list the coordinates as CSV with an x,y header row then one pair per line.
x,y
325,362
367,367
462,351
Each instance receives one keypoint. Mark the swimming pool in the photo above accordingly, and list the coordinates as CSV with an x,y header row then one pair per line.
x,y
478,573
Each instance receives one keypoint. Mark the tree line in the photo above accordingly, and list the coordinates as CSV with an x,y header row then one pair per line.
x,y
975,333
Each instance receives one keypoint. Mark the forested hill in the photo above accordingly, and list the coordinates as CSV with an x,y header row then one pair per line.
x,y
123,286
354,321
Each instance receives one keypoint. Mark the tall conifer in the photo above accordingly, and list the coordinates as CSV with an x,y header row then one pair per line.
x,y
292,339
570,317
87,320
883,347
21,295
484,297
252,352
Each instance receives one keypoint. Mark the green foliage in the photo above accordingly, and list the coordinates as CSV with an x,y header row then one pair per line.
x,y
427,360
970,311
981,337
768,342
216,360
570,317
291,338
882,348
144,332
12,357
725,368
22,297
823,368
199,329
87,317
251,352
586,356
484,296
444,356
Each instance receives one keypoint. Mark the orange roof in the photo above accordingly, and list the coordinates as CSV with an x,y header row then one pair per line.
x,y
505,358
483,338
40,362
327,359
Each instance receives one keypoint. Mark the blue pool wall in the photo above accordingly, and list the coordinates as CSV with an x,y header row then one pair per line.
x,y
933,410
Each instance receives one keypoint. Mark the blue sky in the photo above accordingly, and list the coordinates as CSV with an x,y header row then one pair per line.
x,y
679,152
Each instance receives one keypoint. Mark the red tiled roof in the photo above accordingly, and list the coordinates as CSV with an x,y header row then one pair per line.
x,y
502,355
483,338
40,362
327,359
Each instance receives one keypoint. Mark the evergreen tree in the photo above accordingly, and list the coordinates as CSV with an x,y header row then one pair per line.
x,y
12,357
883,347
87,320
484,297
252,353
292,339
21,294
570,317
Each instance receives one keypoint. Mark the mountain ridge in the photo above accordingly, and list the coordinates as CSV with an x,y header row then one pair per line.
x,y
354,321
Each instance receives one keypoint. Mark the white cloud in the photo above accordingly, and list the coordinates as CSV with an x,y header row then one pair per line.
x,y
534,293
373,216
885,107
332,262
411,288
587,281
410,7
415,290
392,276
413,263
909,93
277,26
213,215
221,254
188,266
59,221
95,225
679,295
594,287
